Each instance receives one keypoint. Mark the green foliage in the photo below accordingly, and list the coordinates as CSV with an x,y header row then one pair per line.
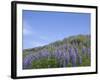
x,y
69,65
85,61
45,63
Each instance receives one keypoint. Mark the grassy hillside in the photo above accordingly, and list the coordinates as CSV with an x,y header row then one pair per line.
x,y
73,51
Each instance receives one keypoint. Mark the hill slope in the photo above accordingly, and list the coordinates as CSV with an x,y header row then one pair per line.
x,y
73,51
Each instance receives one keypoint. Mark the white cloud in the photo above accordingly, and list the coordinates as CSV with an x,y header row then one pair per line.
x,y
27,29
43,38
33,35
37,44
26,32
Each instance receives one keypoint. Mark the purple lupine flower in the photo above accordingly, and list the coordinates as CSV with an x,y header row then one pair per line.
x,y
58,56
27,61
88,52
83,50
65,58
79,58
72,56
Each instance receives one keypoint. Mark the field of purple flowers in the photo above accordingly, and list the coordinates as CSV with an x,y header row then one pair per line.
x,y
73,51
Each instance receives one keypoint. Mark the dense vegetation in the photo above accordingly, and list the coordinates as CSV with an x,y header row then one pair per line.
x,y
73,51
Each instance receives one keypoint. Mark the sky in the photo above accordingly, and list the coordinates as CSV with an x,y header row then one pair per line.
x,y
43,27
